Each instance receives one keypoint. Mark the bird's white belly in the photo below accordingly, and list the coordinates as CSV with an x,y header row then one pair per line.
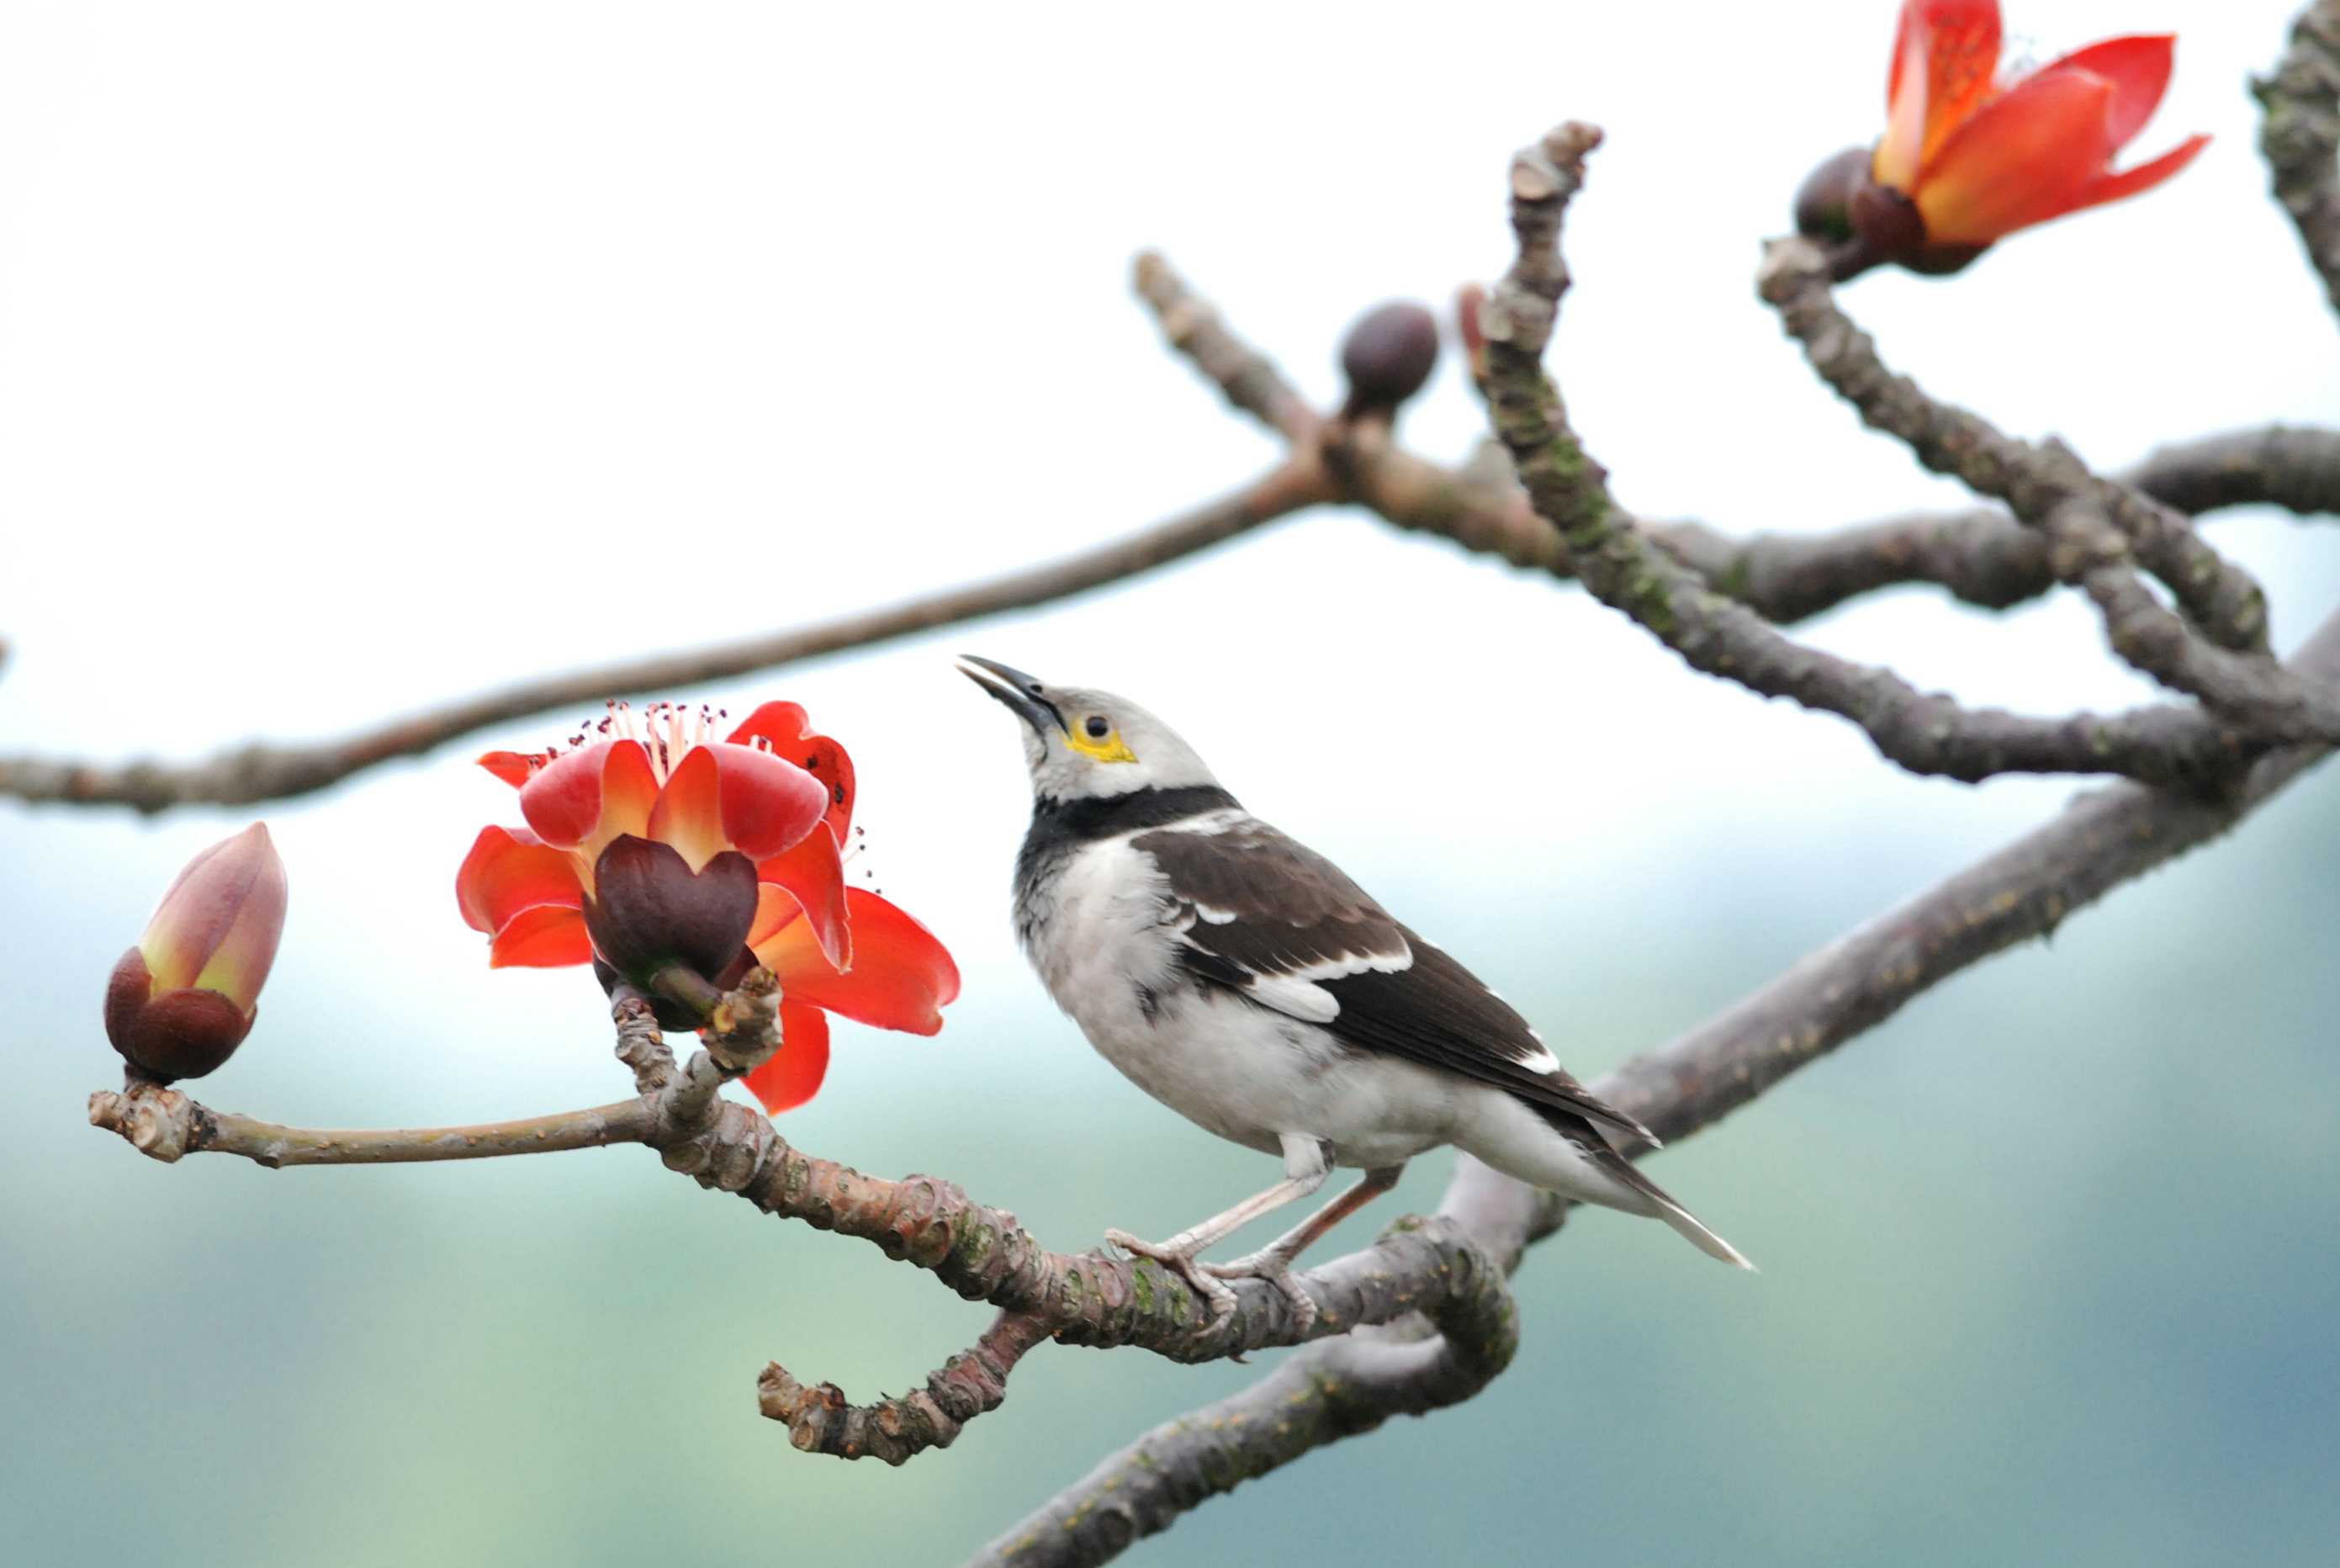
x,y
1240,1070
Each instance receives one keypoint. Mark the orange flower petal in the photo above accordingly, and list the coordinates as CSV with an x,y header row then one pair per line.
x,y
2025,159
901,975
689,813
590,796
510,870
2144,177
812,876
546,937
513,767
793,1075
1945,55
774,909
2138,68
790,729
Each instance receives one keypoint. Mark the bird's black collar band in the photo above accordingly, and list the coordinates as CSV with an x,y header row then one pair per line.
x,y
1096,817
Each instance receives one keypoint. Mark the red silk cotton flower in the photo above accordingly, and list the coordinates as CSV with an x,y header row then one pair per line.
x,y
650,844
1968,157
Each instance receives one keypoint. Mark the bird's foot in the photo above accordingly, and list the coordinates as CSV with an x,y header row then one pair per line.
x,y
1273,1267
1221,1300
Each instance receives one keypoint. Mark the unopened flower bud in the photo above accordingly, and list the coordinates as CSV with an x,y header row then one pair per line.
x,y
181,1000
1387,356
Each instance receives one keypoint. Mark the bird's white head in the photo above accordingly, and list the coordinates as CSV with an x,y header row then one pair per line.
x,y
1084,744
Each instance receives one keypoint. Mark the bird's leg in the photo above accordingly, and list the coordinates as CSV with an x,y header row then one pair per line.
x,y
1305,1170
1273,1262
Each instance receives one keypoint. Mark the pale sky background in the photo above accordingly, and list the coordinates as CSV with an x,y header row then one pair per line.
x,y
357,358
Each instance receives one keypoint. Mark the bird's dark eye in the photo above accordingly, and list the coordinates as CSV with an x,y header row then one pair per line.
x,y
1096,726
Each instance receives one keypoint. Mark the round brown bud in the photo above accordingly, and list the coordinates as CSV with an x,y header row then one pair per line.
x,y
168,1034
1824,201
1387,356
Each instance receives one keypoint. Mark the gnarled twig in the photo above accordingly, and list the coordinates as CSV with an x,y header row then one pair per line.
x,y
1923,733
2222,601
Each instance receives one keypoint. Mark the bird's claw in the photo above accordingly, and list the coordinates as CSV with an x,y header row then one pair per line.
x,y
1221,1298
1277,1269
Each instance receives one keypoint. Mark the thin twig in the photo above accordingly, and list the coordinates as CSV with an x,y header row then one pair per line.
x,y
269,771
1248,378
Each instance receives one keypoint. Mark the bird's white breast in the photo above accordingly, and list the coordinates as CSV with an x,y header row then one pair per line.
x,y
1098,931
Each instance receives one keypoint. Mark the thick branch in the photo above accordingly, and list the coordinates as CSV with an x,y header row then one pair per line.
x,y
2300,136
1328,1392
2100,841
1836,994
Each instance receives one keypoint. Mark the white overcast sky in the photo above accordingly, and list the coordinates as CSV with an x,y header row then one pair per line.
x,y
353,358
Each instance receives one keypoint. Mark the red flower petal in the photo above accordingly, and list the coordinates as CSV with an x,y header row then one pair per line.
x,y
546,937
508,871
813,878
2137,67
769,804
901,975
793,1075
513,767
2144,177
790,729
1945,55
593,793
2025,159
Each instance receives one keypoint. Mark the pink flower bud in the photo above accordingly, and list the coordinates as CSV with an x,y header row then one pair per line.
x,y
181,1000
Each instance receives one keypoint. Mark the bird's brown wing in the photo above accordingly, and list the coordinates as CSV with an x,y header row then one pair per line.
x,y
1270,920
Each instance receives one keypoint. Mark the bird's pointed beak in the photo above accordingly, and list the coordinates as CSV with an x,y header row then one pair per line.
x,y
1026,694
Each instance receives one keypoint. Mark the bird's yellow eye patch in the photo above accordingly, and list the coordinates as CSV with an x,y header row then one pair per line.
x,y
1107,748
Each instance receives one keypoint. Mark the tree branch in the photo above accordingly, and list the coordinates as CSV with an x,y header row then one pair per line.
x,y
1249,380
978,1251
1327,1392
2222,600
1618,564
2299,137
267,771
1978,557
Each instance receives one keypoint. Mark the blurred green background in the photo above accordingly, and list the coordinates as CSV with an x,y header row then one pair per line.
x,y
355,359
